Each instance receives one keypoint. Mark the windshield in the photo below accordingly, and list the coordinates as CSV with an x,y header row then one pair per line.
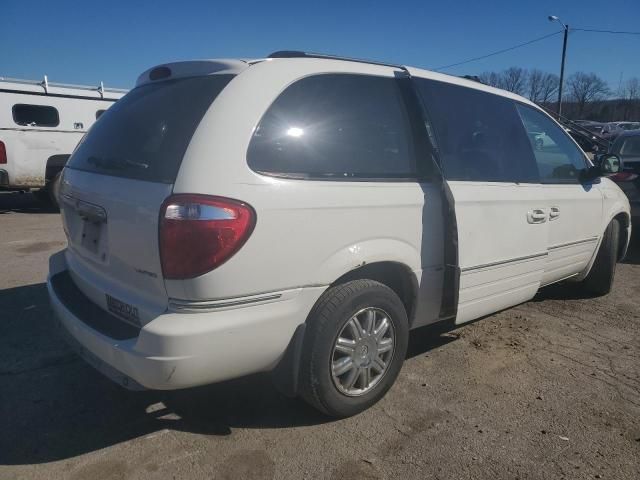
x,y
628,146
144,135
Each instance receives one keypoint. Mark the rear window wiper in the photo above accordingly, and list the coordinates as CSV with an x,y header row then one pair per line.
x,y
115,163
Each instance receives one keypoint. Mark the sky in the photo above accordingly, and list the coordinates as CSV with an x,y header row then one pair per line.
x,y
114,41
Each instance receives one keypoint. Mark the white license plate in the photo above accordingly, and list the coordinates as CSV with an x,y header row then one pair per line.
x,y
91,236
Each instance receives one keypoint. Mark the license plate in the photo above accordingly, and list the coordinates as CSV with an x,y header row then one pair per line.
x,y
91,236
123,310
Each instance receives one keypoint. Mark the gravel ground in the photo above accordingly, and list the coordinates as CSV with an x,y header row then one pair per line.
x,y
548,389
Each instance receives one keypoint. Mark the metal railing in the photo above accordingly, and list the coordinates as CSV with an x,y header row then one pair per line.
x,y
46,85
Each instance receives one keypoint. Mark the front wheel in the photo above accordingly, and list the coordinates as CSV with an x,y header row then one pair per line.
x,y
354,348
600,278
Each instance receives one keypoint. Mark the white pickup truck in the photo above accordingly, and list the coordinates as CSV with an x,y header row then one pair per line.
x,y
40,125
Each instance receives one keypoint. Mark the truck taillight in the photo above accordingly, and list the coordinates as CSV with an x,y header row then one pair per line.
x,y
623,177
3,153
199,233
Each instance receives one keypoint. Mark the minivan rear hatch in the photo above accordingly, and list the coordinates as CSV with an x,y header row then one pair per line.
x,y
114,186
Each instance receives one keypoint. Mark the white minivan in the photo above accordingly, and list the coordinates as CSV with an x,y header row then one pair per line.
x,y
301,214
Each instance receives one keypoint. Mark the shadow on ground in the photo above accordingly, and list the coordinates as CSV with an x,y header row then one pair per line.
x,y
20,202
55,406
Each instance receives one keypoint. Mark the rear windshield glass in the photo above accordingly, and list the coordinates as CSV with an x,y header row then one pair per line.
x,y
144,135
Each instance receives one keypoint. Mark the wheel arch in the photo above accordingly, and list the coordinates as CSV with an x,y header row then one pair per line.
x,y
55,164
625,233
395,275
621,215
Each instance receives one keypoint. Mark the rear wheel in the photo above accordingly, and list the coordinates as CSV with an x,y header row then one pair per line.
x,y
600,278
355,345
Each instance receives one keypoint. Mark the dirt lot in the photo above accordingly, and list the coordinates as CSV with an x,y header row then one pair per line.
x,y
549,389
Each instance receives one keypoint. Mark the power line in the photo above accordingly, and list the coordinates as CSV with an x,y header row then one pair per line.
x,y
604,31
498,52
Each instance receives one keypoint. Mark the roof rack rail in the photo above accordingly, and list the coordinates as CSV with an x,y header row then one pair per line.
x,y
300,54
47,85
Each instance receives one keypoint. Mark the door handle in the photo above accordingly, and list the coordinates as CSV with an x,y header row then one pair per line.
x,y
537,215
554,213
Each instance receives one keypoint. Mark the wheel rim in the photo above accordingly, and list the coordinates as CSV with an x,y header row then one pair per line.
x,y
362,351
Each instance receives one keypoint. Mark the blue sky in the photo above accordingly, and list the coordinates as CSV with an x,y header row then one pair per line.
x,y
113,41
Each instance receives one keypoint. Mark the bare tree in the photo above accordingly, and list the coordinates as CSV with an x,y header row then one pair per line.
x,y
631,89
490,78
585,88
514,79
548,87
534,84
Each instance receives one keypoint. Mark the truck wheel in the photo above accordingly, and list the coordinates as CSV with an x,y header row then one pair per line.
x,y
48,195
354,347
54,190
42,195
600,278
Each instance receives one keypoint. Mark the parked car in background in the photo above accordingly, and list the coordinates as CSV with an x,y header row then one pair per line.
x,y
588,141
628,125
40,125
595,127
627,147
612,130
302,214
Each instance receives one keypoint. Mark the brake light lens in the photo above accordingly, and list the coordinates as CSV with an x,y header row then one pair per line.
x,y
198,233
3,154
623,177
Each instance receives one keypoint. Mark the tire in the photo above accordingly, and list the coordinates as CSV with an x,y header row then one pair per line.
x,y
48,196
600,278
42,195
369,302
53,190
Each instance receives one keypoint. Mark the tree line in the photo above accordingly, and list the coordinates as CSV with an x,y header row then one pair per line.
x,y
585,95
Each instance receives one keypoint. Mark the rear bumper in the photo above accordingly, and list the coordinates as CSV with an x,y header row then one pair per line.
x,y
180,350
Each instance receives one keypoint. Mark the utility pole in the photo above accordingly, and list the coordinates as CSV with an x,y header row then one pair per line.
x,y
553,18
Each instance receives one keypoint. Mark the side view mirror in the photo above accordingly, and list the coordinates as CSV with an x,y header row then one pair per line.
x,y
610,164
606,166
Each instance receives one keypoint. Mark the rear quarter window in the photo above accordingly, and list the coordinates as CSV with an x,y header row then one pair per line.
x,y
145,134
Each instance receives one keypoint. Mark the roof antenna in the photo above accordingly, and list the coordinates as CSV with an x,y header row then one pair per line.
x,y
45,84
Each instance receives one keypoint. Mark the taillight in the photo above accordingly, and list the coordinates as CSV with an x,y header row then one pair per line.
x,y
199,233
3,153
623,177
